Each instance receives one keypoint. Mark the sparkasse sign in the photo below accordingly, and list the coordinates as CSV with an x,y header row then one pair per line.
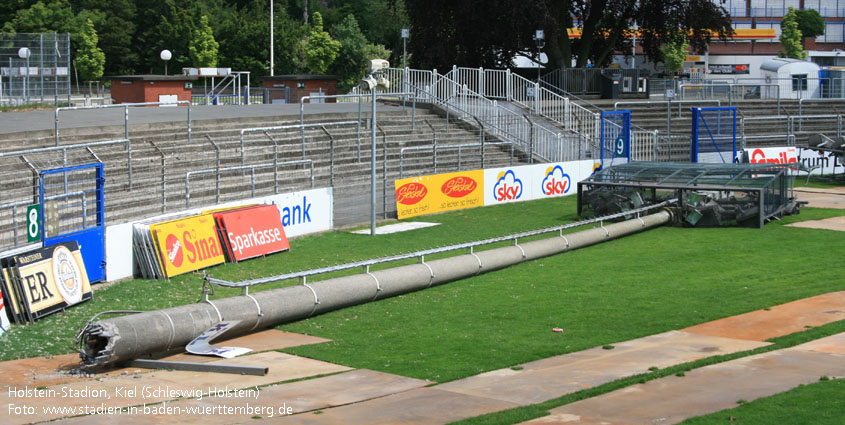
x,y
252,232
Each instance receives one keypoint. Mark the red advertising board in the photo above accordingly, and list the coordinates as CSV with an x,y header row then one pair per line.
x,y
252,232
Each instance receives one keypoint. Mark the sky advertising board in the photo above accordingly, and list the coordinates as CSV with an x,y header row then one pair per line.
x,y
530,182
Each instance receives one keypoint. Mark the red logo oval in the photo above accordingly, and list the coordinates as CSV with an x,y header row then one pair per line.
x,y
458,187
411,193
174,250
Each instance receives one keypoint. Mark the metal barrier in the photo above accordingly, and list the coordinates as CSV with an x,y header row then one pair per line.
x,y
125,114
420,255
286,127
434,148
252,168
764,91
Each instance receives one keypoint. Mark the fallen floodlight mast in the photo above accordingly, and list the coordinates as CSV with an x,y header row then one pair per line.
x,y
129,337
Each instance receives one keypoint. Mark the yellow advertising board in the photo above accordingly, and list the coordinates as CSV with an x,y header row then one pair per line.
x,y
439,192
187,244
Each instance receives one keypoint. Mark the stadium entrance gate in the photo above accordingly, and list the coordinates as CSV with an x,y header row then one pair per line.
x,y
615,138
714,135
73,209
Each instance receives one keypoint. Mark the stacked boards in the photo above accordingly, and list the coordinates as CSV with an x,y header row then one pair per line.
x,y
194,242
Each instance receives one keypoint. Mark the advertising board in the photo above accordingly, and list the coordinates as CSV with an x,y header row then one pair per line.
x,y
817,162
439,192
530,182
187,244
251,232
45,280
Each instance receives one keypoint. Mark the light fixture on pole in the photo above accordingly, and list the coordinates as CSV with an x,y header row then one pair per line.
x,y
405,34
373,81
540,39
25,53
165,56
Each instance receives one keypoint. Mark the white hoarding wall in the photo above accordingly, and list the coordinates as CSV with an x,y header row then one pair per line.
x,y
302,213
530,182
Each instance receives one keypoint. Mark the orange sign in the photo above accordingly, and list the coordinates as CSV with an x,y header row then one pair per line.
x,y
187,244
439,192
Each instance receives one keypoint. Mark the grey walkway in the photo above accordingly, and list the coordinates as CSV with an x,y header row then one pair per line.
x,y
13,122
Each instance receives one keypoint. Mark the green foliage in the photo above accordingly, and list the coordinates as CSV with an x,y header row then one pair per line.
x,y
790,37
320,50
89,58
354,53
674,53
116,31
203,47
132,33
810,22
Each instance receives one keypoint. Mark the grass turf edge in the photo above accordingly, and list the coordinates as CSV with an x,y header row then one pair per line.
x,y
526,413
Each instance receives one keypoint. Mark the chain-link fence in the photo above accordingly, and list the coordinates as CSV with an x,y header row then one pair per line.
x,y
34,68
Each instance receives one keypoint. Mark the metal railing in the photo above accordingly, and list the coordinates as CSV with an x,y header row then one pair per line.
x,y
435,148
421,254
125,114
302,127
252,169
730,91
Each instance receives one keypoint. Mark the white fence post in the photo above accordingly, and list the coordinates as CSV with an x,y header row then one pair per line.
x,y
508,93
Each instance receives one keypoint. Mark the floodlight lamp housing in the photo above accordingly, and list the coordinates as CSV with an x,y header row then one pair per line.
x,y
377,65
368,83
383,83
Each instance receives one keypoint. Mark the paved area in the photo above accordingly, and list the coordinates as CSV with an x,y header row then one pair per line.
x,y
822,198
780,320
14,122
709,389
833,223
41,371
335,394
272,401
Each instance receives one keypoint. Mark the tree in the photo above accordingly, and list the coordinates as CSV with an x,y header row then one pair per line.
x,y
320,49
89,58
116,31
203,47
810,22
164,24
790,37
450,32
354,53
674,52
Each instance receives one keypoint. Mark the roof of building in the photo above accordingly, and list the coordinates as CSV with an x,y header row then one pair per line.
x,y
776,63
153,77
296,77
